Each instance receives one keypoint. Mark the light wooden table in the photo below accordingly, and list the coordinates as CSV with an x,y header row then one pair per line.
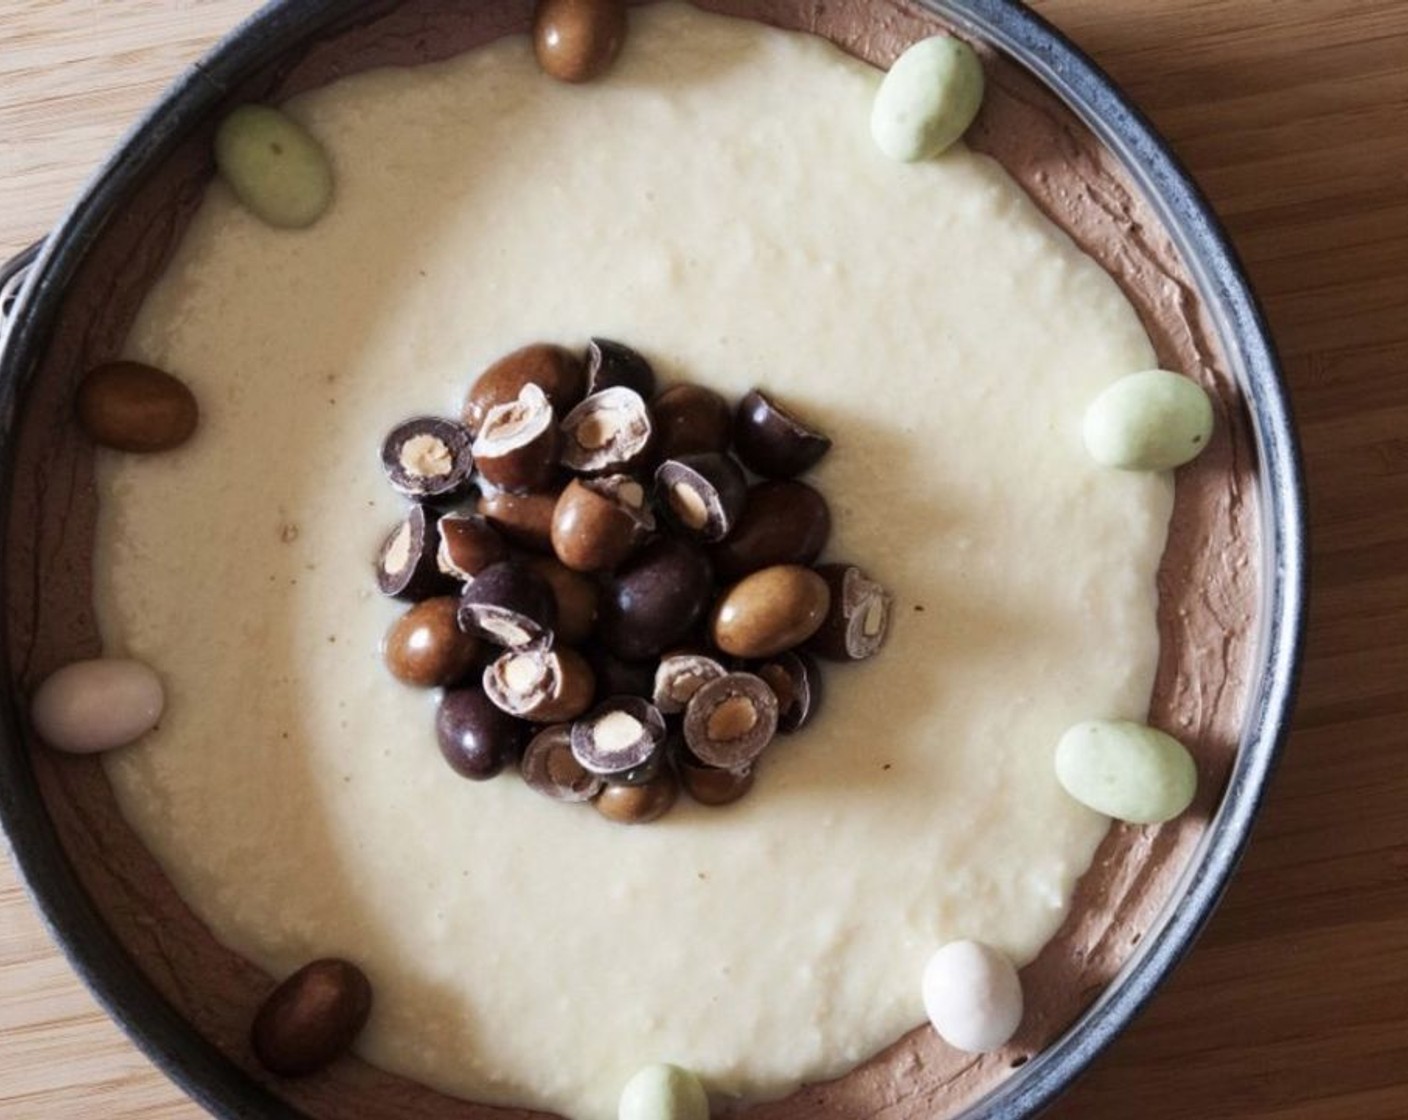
x,y
1293,114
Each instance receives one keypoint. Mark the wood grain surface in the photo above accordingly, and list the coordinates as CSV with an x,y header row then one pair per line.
x,y
1293,115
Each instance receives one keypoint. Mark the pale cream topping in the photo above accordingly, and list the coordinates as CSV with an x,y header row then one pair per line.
x,y
731,220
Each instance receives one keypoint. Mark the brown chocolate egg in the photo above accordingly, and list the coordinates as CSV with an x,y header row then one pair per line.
x,y
557,372
129,406
426,648
769,611
312,1018
577,40
638,804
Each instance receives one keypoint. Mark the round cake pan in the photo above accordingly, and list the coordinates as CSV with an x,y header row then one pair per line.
x,y
35,287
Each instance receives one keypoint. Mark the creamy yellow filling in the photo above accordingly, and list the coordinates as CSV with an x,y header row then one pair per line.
x,y
717,202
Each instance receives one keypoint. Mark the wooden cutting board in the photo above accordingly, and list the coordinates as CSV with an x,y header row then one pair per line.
x,y
1293,114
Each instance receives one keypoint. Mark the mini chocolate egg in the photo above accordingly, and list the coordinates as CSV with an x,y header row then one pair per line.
x,y
312,1018
973,996
97,705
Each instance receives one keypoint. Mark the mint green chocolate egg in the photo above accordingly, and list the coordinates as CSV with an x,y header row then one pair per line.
x,y
1126,770
277,170
928,99
1149,421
